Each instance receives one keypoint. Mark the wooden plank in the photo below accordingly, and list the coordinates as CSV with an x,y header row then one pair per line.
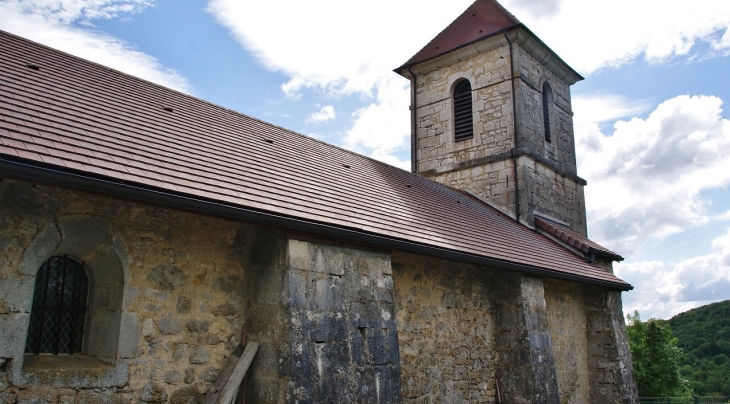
x,y
231,388
211,397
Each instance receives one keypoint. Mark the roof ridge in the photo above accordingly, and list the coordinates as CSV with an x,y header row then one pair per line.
x,y
481,7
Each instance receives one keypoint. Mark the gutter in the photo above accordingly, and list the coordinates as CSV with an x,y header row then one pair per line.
x,y
414,117
99,184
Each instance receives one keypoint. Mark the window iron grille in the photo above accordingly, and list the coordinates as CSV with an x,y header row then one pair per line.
x,y
58,315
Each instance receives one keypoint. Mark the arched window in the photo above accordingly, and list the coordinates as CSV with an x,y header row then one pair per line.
x,y
463,118
547,101
58,314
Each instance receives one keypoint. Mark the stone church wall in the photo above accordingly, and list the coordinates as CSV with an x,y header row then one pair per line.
x,y
446,328
336,322
567,317
181,308
344,339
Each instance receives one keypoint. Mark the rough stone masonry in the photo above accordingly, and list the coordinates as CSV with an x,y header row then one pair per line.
x,y
336,322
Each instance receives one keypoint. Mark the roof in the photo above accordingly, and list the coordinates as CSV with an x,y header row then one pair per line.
x,y
575,239
482,19
81,118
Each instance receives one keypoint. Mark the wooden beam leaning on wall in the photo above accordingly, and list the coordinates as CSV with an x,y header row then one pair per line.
x,y
226,386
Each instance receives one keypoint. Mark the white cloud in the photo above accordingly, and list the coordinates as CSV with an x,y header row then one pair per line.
x,y
648,173
327,113
50,22
383,127
593,34
343,48
662,293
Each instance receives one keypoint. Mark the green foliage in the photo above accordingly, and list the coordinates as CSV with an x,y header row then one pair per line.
x,y
656,358
703,334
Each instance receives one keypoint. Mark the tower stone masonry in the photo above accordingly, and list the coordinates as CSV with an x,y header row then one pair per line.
x,y
521,158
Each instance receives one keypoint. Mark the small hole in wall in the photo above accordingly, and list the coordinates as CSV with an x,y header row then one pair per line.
x,y
33,67
409,186
168,109
268,141
363,332
346,165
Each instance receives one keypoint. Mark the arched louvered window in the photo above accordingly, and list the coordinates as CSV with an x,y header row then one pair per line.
x,y
463,118
547,101
58,314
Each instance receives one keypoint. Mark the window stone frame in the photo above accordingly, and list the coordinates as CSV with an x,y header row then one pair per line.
x,y
112,333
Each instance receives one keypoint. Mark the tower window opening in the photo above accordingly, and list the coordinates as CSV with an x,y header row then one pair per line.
x,y
547,100
463,117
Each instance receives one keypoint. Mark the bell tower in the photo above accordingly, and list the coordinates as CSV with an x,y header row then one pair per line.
x,y
491,114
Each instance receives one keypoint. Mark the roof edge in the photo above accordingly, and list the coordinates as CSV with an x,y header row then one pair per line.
x,y
526,40
32,171
583,250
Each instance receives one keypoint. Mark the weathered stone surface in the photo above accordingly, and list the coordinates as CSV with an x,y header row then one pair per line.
x,y
169,326
186,395
198,325
343,335
611,370
567,319
153,393
483,165
183,305
81,236
446,330
167,277
199,356
40,249
183,253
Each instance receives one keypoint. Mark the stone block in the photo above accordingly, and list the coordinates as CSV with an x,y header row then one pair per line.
x,y
199,355
17,292
40,249
25,200
13,329
82,236
167,277
169,326
130,335
106,267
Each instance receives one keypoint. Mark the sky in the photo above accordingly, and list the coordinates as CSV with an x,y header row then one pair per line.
x,y
651,119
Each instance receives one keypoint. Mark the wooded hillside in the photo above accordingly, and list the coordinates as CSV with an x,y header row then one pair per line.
x,y
703,334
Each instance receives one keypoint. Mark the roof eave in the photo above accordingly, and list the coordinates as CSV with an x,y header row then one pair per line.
x,y
520,34
33,171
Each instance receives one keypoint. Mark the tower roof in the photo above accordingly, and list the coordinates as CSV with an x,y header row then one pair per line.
x,y
482,19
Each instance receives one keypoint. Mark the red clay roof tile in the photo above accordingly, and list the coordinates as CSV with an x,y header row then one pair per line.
x,y
482,19
206,151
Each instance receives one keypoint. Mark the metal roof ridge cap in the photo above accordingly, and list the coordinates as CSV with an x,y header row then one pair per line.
x,y
61,177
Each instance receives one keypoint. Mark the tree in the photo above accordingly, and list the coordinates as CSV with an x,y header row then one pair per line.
x,y
656,358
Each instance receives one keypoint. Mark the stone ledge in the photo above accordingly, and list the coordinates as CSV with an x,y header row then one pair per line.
x,y
62,363
72,371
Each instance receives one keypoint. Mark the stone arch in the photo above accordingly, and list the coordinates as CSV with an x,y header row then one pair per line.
x,y
547,112
462,109
88,240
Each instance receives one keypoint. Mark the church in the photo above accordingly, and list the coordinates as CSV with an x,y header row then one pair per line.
x,y
144,233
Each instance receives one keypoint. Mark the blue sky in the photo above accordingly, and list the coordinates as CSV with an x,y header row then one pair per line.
x,y
651,120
